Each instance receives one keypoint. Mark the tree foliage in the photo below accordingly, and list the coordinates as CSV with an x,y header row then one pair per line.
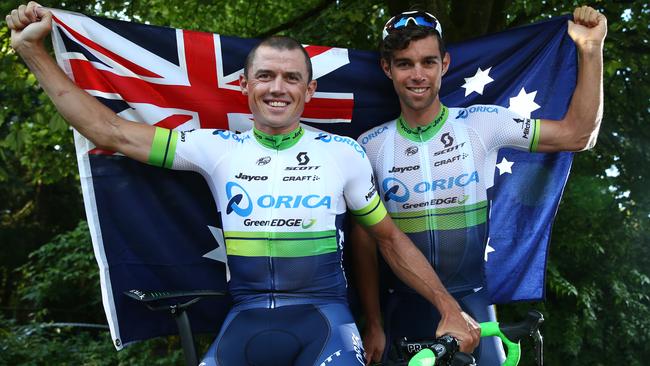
x,y
598,285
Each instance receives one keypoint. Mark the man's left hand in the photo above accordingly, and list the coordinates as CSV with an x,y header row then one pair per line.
x,y
588,28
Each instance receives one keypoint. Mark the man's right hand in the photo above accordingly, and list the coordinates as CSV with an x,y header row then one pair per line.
x,y
29,25
462,327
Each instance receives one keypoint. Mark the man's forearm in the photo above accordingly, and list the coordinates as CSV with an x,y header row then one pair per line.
x,y
366,273
586,108
411,266
87,115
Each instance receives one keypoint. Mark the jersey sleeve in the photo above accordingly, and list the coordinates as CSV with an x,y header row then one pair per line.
x,y
195,150
500,127
360,191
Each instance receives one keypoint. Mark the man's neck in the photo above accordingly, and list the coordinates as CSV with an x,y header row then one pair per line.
x,y
270,130
419,118
279,141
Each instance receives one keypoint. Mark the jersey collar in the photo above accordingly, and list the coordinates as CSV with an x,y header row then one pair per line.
x,y
279,142
423,133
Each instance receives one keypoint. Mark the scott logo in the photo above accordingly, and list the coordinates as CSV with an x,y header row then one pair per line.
x,y
302,158
446,139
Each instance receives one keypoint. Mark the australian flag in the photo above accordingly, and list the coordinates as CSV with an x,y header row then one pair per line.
x,y
158,230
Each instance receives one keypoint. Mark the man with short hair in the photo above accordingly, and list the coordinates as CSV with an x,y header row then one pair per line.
x,y
406,154
283,237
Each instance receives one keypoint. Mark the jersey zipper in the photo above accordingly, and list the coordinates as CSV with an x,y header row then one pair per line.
x,y
428,178
274,189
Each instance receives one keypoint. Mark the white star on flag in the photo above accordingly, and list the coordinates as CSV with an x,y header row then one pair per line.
x,y
219,254
524,103
488,249
477,82
505,166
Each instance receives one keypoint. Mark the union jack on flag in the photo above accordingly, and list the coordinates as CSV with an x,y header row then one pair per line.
x,y
155,229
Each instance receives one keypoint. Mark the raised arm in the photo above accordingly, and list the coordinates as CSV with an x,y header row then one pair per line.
x,y
29,25
410,266
578,130
366,274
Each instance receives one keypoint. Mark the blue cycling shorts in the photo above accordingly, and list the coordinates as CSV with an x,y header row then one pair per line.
x,y
300,335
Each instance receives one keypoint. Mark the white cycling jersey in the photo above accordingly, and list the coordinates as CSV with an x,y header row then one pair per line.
x,y
434,180
282,201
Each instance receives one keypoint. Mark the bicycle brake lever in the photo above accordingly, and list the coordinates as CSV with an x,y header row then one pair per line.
x,y
539,347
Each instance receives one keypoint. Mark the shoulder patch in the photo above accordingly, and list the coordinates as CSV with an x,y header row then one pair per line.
x,y
366,137
463,113
227,135
331,138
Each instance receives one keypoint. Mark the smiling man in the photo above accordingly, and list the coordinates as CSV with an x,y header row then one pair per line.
x,y
431,165
282,193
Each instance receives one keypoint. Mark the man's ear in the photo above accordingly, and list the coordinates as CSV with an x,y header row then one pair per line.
x,y
386,67
311,89
243,83
445,63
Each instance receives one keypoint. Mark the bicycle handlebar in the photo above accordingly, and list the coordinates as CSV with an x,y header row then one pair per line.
x,y
444,348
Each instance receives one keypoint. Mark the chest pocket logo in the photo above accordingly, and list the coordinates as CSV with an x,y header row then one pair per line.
x,y
446,139
235,200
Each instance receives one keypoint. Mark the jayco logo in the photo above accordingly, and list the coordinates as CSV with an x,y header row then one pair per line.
x,y
402,169
251,177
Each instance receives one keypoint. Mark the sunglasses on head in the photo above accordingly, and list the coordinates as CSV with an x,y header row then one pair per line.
x,y
411,18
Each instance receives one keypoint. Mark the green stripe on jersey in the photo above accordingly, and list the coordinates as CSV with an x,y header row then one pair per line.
x,y
534,141
280,244
163,148
371,214
441,218
423,133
